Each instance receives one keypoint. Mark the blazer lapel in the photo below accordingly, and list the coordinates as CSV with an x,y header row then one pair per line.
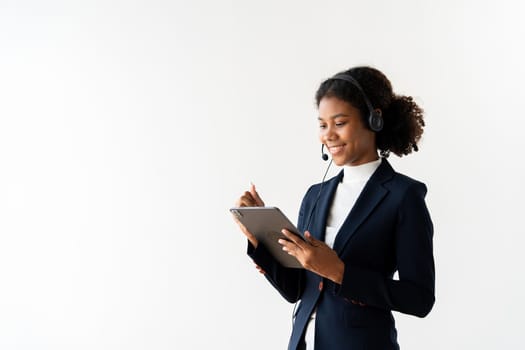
x,y
323,206
370,197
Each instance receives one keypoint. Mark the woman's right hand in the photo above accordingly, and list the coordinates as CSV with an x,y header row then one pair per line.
x,y
249,199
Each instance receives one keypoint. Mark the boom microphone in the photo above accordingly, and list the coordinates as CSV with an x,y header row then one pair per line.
x,y
323,155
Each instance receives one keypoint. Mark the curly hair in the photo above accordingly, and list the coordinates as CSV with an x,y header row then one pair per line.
x,y
403,118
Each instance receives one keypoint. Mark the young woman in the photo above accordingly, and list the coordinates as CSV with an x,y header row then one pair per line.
x,y
360,227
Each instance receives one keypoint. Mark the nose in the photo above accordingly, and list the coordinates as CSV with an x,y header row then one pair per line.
x,y
328,133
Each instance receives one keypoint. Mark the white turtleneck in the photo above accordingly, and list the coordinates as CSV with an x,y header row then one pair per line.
x,y
348,190
354,180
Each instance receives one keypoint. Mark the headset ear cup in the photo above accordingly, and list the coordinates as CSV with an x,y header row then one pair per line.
x,y
375,121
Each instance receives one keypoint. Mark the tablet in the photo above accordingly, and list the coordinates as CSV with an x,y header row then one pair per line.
x,y
266,224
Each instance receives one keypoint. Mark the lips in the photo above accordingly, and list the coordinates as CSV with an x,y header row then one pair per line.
x,y
336,149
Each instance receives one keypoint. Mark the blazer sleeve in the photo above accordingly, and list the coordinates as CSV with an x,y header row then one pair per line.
x,y
289,282
413,293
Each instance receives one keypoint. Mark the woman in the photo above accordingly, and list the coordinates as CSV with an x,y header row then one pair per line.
x,y
360,227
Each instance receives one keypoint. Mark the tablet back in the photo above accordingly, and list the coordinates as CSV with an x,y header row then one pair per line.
x,y
266,224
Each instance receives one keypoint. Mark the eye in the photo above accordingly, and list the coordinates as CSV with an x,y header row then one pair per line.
x,y
340,123
322,126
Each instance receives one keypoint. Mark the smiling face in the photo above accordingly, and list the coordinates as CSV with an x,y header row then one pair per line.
x,y
343,132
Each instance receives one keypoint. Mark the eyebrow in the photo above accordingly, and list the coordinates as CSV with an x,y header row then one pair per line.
x,y
335,116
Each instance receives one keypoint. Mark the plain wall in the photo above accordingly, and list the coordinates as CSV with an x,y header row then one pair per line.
x,y
128,128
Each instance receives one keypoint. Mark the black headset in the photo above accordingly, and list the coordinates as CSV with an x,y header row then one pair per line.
x,y
375,118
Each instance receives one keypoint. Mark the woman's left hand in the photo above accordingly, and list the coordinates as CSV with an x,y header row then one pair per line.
x,y
314,255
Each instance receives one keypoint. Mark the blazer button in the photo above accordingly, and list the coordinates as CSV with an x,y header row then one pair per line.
x,y
321,285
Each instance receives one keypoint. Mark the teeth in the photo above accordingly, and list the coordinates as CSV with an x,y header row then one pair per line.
x,y
335,149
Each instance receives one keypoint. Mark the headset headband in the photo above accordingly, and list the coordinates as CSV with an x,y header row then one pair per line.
x,y
351,79
375,119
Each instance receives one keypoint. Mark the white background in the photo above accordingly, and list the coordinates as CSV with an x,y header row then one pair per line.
x,y
128,128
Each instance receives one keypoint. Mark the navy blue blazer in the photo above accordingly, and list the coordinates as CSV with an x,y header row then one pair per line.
x,y
389,229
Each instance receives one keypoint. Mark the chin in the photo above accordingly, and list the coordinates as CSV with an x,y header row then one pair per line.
x,y
339,162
